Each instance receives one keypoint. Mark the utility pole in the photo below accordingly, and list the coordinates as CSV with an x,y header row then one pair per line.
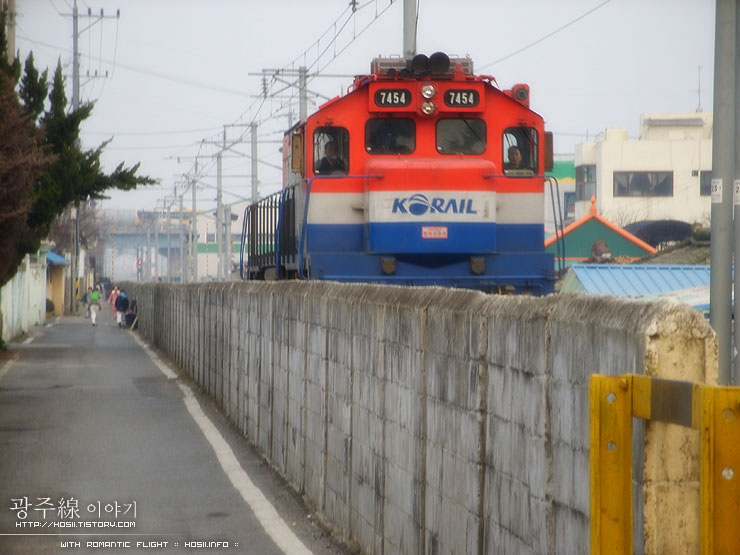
x,y
74,267
733,374
303,90
194,230
11,31
75,58
156,242
76,50
409,29
148,257
169,232
220,226
219,209
180,228
227,242
112,254
723,170
74,215
76,209
255,182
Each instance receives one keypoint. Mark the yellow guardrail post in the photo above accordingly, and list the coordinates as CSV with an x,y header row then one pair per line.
x,y
714,411
611,464
717,416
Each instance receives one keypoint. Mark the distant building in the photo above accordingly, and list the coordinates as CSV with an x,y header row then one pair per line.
x,y
563,199
593,238
664,175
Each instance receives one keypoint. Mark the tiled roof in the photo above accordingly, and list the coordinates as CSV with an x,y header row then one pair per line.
x,y
593,216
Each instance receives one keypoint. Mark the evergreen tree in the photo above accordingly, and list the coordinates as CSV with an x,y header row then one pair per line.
x,y
74,176
22,160
33,90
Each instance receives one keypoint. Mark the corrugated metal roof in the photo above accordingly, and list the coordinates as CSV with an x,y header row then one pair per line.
x,y
638,280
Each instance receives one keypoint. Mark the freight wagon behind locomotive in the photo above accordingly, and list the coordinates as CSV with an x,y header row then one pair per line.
x,y
422,174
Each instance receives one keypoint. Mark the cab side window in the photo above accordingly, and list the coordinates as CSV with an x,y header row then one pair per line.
x,y
390,136
520,151
331,151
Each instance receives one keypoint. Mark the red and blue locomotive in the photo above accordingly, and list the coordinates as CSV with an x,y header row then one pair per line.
x,y
422,174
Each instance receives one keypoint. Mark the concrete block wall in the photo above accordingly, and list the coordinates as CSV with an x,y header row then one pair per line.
x,y
23,299
439,421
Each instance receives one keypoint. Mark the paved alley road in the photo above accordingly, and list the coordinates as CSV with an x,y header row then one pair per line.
x,y
99,454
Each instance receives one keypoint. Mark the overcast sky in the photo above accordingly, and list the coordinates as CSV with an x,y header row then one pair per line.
x,y
178,71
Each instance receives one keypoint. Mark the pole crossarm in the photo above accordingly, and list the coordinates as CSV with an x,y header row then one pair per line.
x,y
712,410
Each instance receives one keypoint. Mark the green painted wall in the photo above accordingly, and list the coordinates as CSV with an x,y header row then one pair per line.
x,y
563,170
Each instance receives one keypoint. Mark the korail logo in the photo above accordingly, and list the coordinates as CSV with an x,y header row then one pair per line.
x,y
419,205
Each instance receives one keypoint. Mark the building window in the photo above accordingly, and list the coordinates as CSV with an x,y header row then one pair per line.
x,y
585,182
705,183
210,237
643,184
569,204
461,136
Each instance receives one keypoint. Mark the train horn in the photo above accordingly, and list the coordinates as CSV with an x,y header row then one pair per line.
x,y
439,62
420,64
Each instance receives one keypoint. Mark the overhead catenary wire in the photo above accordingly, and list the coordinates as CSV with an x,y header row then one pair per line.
x,y
545,37
143,71
150,133
255,110
285,105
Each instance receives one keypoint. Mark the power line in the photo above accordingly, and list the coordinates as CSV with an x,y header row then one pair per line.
x,y
55,7
268,90
332,42
150,73
547,36
142,133
149,147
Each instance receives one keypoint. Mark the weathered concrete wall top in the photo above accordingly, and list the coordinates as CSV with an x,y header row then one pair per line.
x,y
429,420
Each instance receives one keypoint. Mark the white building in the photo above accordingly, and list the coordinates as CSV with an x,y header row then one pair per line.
x,y
664,175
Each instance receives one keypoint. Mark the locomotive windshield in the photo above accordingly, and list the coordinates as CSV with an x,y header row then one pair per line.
x,y
390,136
520,151
461,136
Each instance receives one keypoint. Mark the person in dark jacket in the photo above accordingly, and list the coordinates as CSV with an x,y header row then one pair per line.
x,y
331,162
121,306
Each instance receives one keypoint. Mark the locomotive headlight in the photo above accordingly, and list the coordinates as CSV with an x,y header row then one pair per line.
x,y
428,108
428,91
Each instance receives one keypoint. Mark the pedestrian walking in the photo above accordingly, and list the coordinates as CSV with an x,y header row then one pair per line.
x,y
121,306
112,300
94,306
86,300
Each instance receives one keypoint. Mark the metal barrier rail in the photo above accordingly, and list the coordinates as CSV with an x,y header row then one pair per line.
x,y
713,410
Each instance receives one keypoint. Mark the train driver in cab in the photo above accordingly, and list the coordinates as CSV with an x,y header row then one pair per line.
x,y
515,159
331,163
516,164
